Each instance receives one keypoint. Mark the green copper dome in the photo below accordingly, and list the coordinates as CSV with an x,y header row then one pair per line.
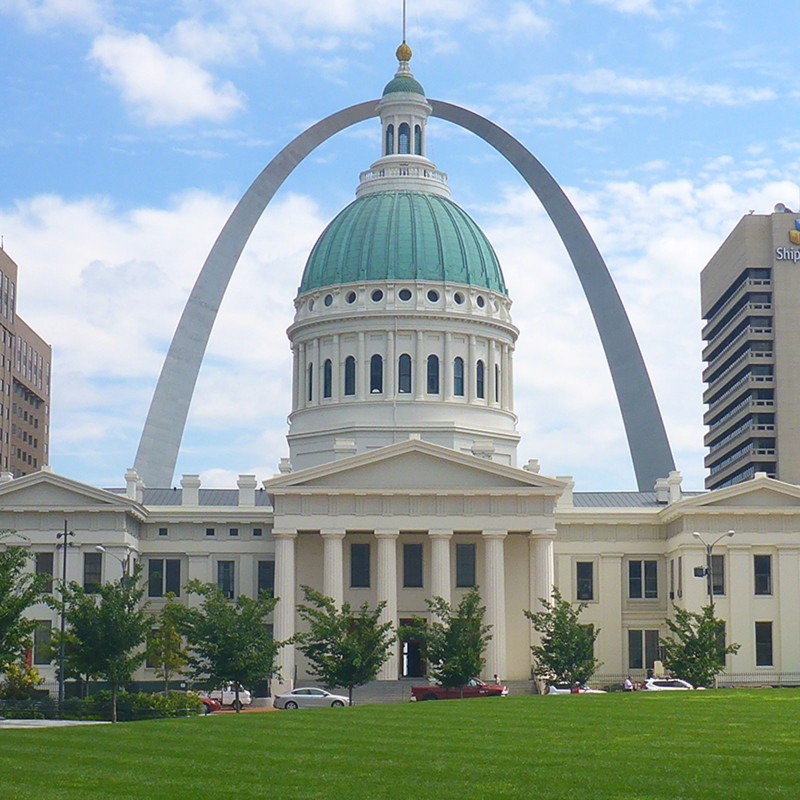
x,y
403,83
403,236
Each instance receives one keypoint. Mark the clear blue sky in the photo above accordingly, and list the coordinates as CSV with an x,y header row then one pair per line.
x,y
130,129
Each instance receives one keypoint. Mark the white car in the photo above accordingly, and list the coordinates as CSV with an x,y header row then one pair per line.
x,y
667,685
309,698
565,688
227,697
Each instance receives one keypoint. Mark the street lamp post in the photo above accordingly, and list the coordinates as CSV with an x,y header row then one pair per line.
x,y
125,563
64,544
709,565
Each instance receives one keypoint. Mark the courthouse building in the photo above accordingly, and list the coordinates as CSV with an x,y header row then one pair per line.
x,y
403,481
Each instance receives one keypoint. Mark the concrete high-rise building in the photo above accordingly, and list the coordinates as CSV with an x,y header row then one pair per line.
x,y
750,294
25,360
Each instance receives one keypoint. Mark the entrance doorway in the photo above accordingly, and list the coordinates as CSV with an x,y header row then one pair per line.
x,y
412,664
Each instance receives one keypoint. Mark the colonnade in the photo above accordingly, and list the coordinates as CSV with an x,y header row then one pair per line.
x,y
493,585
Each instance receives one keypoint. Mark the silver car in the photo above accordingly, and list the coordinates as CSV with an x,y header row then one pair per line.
x,y
309,698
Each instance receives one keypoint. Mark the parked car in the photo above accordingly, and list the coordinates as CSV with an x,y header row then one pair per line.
x,y
309,698
667,685
474,688
566,688
227,697
209,703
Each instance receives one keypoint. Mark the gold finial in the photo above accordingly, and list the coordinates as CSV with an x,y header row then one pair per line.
x,y
403,53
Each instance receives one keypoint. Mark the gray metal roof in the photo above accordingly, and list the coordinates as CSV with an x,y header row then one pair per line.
x,y
208,497
620,499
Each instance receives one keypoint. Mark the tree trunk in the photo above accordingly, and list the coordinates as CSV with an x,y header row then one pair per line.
x,y
237,706
113,702
350,695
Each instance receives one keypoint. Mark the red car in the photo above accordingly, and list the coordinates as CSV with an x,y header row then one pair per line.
x,y
209,703
474,688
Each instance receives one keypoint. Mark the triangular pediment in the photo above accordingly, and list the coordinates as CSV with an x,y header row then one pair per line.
x,y
45,490
415,466
760,492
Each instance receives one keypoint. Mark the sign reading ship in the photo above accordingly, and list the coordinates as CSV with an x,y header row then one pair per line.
x,y
790,254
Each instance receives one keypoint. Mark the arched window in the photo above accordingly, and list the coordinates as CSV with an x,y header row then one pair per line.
x,y
350,376
389,140
458,377
404,374
433,374
480,390
404,139
310,382
418,140
375,375
327,377
497,383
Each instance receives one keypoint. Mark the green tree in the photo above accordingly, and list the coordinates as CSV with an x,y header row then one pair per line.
x,y
107,630
21,682
696,650
454,641
344,648
20,588
166,649
565,652
229,642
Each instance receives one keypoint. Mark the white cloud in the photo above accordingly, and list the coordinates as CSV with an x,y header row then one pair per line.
x,y
163,89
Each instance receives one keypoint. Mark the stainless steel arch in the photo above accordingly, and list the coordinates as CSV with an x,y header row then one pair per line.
x,y
163,431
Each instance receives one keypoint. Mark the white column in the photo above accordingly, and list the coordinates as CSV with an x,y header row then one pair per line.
x,y
362,368
301,376
469,372
504,373
295,373
333,565
420,369
313,359
789,599
336,369
494,596
510,378
284,614
490,378
608,589
440,564
387,593
447,367
389,367
740,627
543,571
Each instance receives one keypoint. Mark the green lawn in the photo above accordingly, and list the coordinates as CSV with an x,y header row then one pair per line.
x,y
697,745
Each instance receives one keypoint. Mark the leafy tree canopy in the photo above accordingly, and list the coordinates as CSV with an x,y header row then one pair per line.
x,y
229,641
107,629
454,641
565,652
20,588
166,649
696,649
344,648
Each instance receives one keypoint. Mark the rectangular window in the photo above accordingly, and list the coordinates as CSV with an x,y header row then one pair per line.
x,y
672,579
210,532
162,531
465,566
42,649
412,566
643,579
233,531
680,576
762,572
717,576
584,580
44,566
225,578
359,565
266,577
92,572
257,532
163,577
763,644
643,648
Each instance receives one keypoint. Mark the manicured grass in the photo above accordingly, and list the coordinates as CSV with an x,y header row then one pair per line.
x,y
694,745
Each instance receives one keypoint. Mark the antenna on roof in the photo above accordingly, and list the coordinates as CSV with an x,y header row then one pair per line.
x,y
404,21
